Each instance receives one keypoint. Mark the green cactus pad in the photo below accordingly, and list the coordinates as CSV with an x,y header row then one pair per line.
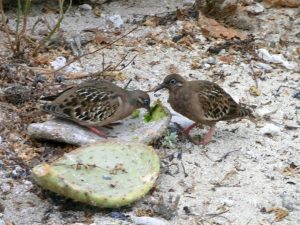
x,y
109,174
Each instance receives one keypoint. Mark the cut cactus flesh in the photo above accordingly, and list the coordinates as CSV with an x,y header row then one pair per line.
x,y
109,174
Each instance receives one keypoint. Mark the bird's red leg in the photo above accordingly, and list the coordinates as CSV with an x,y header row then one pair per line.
x,y
98,132
189,128
207,137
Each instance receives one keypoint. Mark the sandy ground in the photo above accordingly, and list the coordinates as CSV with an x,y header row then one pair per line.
x,y
246,170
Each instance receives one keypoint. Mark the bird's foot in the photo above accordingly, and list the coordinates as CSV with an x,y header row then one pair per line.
x,y
100,133
207,137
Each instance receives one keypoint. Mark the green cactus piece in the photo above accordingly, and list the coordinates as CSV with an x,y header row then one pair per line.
x,y
110,174
157,112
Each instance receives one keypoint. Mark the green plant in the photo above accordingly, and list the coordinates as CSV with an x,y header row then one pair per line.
x,y
18,39
109,174
169,140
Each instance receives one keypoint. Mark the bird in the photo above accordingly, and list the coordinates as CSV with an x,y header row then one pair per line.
x,y
96,103
203,102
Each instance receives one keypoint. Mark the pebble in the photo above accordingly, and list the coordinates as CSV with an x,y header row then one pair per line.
x,y
5,187
18,172
257,8
116,20
264,66
86,7
270,129
145,220
211,60
275,58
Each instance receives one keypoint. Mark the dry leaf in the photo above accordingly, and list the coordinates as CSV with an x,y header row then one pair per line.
x,y
100,38
264,222
290,170
187,41
97,11
279,213
41,60
195,65
226,59
284,3
254,91
152,22
211,27
173,68
117,75
144,212
189,27
181,14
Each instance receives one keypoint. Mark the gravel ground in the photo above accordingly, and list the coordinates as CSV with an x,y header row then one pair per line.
x,y
247,175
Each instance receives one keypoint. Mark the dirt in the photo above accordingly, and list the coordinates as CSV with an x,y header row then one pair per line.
x,y
248,175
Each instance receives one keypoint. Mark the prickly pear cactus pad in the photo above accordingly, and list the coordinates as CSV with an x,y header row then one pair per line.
x,y
106,174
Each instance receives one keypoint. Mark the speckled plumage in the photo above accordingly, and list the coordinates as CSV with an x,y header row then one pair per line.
x,y
201,101
96,103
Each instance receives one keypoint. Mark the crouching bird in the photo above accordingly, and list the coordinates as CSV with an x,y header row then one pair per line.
x,y
201,101
95,104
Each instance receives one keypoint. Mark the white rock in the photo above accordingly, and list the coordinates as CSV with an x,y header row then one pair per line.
x,y
256,8
264,66
144,220
2,222
270,129
275,58
62,61
86,7
116,20
181,120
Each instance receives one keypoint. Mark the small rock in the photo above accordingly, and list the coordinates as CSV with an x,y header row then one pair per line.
x,y
86,7
275,58
144,220
257,8
296,95
18,172
116,20
5,187
211,60
131,129
270,129
264,66
62,61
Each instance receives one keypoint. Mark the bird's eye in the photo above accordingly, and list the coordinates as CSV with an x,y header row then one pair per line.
x,y
146,101
173,81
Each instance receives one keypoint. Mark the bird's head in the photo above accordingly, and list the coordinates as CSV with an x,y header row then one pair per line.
x,y
171,82
140,99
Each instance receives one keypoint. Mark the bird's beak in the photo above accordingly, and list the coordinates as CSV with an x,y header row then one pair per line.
x,y
157,88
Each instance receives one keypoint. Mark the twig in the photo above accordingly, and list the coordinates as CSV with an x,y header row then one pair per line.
x,y
226,155
97,50
55,28
128,63
122,60
126,86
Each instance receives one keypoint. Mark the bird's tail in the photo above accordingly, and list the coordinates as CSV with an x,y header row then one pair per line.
x,y
245,111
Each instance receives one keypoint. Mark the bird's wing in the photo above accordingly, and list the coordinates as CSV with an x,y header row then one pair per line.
x,y
89,104
215,102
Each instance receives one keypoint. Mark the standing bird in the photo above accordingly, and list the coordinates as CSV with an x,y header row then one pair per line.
x,y
201,101
96,103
